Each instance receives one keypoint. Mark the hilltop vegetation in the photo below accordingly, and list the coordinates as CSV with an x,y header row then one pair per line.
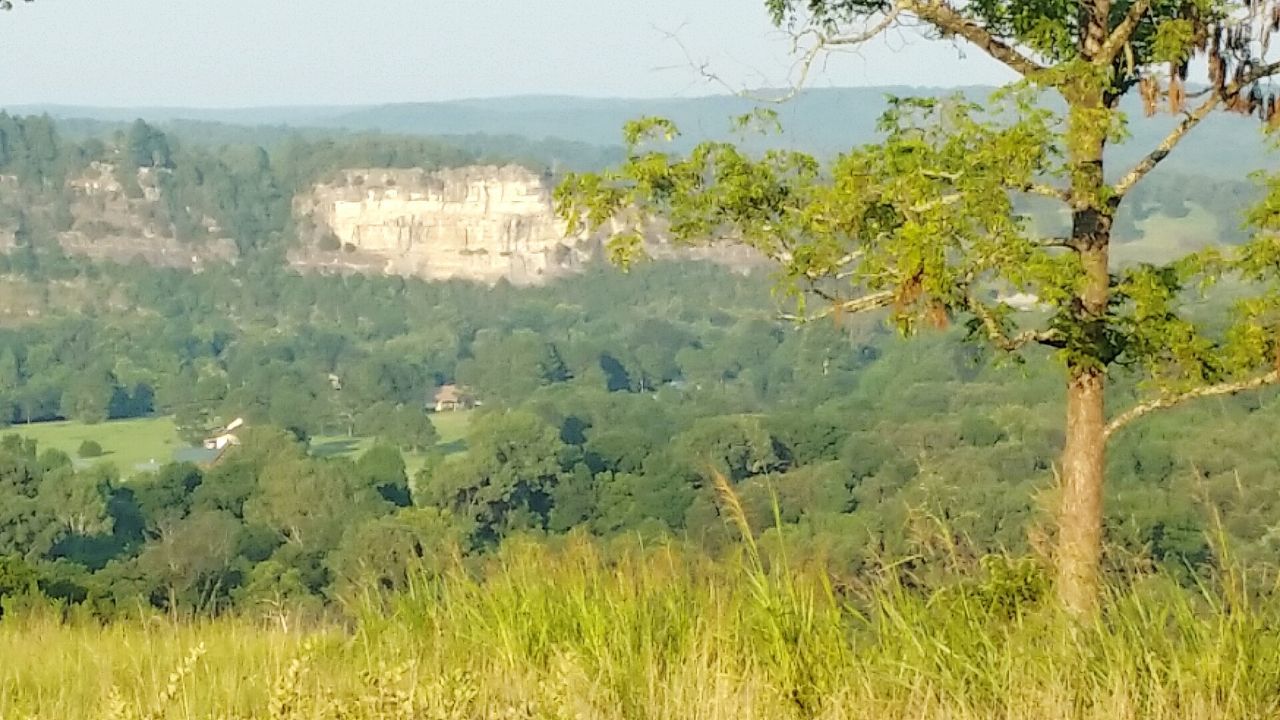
x,y
225,192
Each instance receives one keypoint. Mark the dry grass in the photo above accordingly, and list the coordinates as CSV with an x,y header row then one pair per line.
x,y
585,631
650,634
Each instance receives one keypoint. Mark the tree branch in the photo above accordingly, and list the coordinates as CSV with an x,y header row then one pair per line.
x,y
1056,242
1119,37
1168,401
822,42
1188,123
874,301
1156,156
940,202
945,18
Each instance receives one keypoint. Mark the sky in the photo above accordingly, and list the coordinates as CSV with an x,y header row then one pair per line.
x,y
250,53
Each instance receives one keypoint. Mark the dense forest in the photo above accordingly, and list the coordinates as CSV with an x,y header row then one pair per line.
x,y
611,401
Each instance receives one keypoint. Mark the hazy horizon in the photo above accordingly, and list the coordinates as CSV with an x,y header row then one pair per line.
x,y
242,54
477,99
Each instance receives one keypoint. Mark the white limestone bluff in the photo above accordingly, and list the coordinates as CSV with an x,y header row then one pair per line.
x,y
480,223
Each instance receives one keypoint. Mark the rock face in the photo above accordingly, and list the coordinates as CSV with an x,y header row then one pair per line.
x,y
107,224
476,223
480,223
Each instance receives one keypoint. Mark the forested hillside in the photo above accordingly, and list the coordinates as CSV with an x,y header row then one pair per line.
x,y
220,193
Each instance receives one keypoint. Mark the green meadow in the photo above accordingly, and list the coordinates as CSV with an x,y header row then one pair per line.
x,y
139,444
130,445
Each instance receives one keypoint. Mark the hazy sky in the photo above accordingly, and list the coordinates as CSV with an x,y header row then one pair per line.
x,y
291,52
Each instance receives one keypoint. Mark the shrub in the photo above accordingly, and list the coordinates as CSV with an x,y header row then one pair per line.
x,y
89,449
329,242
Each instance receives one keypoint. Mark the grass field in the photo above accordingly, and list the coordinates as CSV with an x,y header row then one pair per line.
x,y
653,634
134,445
452,427
131,445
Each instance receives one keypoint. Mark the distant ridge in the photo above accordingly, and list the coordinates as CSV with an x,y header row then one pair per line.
x,y
822,120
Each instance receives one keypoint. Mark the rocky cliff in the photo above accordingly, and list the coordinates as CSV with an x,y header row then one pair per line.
x,y
111,225
475,223
105,221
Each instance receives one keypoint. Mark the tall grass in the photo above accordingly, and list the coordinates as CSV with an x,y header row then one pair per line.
x,y
581,631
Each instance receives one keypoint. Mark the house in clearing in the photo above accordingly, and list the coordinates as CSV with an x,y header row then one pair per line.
x,y
226,437
452,397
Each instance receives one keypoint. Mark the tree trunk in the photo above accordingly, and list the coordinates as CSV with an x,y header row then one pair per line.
x,y
1079,556
1080,510
1084,455
1089,352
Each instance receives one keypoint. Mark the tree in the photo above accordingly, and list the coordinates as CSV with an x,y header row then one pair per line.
x,y
89,449
310,503
88,397
514,461
17,577
277,591
923,223
382,467
387,552
739,447
413,430
147,147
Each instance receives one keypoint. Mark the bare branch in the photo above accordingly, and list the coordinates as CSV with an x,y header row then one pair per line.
x,y
1048,191
1120,35
1030,188
1057,242
1188,123
943,201
945,18
997,335
821,43
1156,156
873,301
1168,401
